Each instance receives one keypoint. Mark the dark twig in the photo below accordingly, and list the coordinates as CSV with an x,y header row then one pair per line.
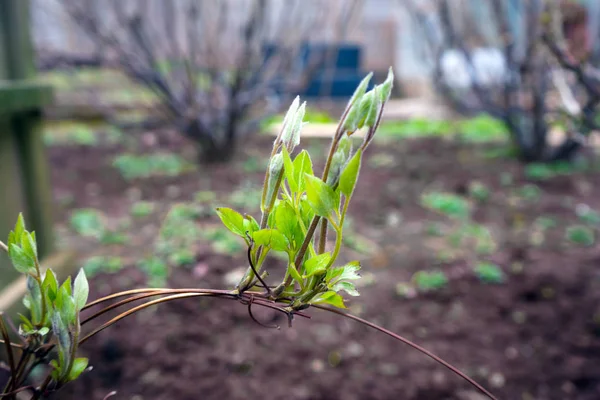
x,y
260,279
9,351
16,391
250,302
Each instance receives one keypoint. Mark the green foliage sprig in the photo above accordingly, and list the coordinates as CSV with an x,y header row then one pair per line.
x,y
294,201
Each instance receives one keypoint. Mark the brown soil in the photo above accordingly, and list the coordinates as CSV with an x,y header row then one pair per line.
x,y
535,337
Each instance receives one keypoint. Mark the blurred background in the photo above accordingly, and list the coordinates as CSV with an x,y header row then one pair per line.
x,y
124,123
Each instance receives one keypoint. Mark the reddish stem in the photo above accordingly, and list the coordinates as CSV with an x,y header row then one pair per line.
x,y
411,344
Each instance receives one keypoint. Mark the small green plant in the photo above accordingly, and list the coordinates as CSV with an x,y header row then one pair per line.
x,y
489,273
294,204
448,204
133,166
588,215
88,222
479,191
545,222
580,234
416,127
530,192
111,237
429,281
141,209
98,264
546,171
483,128
156,270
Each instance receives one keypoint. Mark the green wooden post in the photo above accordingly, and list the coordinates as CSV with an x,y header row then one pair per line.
x,y
24,178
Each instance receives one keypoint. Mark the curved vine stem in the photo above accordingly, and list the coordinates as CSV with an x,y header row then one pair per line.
x,y
138,308
411,344
152,293
181,294
161,290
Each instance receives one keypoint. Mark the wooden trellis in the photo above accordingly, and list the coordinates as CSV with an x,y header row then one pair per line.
x,y
24,177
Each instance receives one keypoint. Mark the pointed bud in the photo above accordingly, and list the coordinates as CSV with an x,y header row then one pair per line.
x,y
288,121
386,87
360,89
354,115
294,139
275,167
339,160
374,107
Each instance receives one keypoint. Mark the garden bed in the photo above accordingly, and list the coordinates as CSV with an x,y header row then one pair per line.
x,y
507,285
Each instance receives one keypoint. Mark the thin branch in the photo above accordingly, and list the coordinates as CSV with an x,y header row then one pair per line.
x,y
411,344
15,345
14,392
9,352
3,246
138,308
162,290
260,279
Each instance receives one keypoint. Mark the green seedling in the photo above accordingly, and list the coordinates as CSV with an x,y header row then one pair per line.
x,y
429,281
580,235
479,191
141,209
133,166
88,222
448,204
489,273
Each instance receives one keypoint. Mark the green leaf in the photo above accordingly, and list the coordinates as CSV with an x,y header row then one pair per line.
x,y
302,166
295,274
374,108
321,196
81,290
35,299
79,365
66,306
43,331
316,264
306,211
331,298
349,175
288,168
64,338
19,228
11,239
271,238
285,220
21,261
233,220
26,324
50,284
250,224
385,89
360,90
28,245
55,369
67,285
348,287
347,272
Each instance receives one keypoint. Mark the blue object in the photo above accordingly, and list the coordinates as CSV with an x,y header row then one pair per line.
x,y
336,79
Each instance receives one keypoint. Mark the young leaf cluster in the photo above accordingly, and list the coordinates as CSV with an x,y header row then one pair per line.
x,y
295,201
54,308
